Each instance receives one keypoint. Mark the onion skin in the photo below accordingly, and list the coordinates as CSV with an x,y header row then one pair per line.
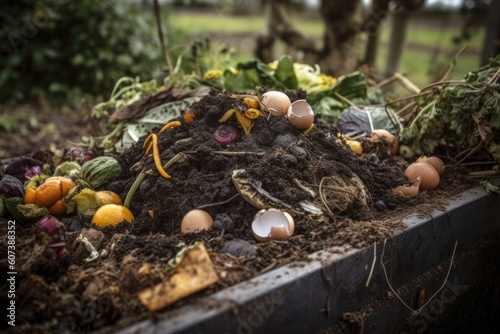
x,y
382,135
55,230
226,134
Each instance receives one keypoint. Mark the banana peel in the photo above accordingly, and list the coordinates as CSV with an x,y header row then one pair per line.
x,y
194,273
252,192
246,124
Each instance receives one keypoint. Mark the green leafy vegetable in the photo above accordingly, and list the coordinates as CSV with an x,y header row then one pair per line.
x,y
460,116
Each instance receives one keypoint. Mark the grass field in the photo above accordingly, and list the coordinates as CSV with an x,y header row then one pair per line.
x,y
429,47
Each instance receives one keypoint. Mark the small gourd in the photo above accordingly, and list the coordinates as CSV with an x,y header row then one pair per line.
x,y
100,171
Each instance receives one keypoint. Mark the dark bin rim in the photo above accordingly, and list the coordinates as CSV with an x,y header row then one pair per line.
x,y
307,296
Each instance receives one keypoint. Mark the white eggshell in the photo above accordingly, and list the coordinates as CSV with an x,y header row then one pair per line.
x,y
195,221
272,224
300,114
276,102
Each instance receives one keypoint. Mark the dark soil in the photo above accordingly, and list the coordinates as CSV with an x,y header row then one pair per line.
x,y
82,296
37,126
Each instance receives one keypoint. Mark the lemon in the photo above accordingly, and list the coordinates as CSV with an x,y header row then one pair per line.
x,y
355,146
108,197
112,214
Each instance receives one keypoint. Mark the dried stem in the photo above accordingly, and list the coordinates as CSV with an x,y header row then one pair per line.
x,y
164,51
323,199
432,297
452,65
345,99
373,263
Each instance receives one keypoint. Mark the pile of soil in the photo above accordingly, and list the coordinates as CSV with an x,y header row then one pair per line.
x,y
81,295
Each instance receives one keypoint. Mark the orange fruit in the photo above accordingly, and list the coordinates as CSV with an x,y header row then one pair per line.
x,y
48,193
29,196
111,214
58,208
52,190
108,197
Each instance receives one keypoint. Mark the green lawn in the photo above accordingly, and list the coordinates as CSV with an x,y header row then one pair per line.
x,y
434,51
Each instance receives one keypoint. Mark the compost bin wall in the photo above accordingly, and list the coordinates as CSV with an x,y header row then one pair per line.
x,y
332,292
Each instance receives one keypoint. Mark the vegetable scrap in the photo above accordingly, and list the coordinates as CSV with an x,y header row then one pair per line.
x,y
193,273
300,162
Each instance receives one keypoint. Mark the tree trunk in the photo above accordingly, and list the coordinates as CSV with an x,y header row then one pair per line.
x,y
372,29
491,44
279,26
400,17
396,43
339,53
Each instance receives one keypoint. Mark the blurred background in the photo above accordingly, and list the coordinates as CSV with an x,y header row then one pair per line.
x,y
57,54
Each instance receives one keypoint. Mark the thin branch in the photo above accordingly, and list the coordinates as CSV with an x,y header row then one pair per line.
x,y
164,51
345,99
474,150
452,65
495,77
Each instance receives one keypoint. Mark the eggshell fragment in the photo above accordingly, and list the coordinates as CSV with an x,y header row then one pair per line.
x,y
300,114
406,191
429,177
275,102
435,162
272,224
195,221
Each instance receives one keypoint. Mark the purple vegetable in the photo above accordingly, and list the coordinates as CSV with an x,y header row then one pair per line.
x,y
11,186
78,155
43,155
53,230
226,134
24,168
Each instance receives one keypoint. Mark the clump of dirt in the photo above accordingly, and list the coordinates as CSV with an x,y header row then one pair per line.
x,y
353,192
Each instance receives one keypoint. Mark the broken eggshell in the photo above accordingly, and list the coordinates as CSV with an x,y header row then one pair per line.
x,y
407,190
300,114
272,224
195,221
429,177
435,162
275,102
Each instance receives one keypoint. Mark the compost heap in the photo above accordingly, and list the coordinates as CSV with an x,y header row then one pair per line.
x,y
284,168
